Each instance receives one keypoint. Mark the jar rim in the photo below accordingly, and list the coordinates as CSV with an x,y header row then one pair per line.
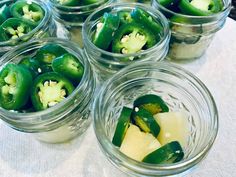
x,y
43,22
219,15
146,168
57,5
164,22
14,117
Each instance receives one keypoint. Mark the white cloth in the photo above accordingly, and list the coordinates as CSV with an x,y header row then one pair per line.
x,y
23,156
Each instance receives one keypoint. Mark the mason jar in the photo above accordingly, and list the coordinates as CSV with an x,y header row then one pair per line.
x,y
191,36
180,90
106,63
65,120
71,18
147,2
46,28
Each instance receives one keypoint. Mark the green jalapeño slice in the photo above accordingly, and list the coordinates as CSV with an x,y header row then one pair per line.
x,y
46,54
69,66
125,17
32,64
105,30
88,2
132,38
49,89
146,121
152,103
122,126
28,11
15,83
14,28
74,3
167,154
4,13
142,17
168,3
200,7
68,2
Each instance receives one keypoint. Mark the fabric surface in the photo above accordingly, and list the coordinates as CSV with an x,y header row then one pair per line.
x,y
233,10
23,156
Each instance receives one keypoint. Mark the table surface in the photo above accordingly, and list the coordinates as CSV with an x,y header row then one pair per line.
x,y
23,156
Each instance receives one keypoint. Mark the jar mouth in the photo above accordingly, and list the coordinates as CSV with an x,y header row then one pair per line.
x,y
88,25
221,15
63,7
129,164
42,24
62,108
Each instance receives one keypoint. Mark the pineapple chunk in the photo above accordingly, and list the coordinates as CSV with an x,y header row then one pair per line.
x,y
201,4
174,127
138,144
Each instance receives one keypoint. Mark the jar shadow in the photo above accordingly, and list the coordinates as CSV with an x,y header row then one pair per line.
x,y
192,65
96,164
21,152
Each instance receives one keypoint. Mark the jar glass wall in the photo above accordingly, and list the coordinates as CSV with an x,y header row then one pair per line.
x,y
108,63
178,88
147,2
73,17
191,35
65,120
46,28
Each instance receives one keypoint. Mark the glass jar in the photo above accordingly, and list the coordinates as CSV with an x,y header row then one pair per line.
x,y
180,89
46,28
106,63
66,119
72,18
191,37
147,2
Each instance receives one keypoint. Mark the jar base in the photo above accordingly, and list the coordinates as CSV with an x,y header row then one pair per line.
x,y
63,134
